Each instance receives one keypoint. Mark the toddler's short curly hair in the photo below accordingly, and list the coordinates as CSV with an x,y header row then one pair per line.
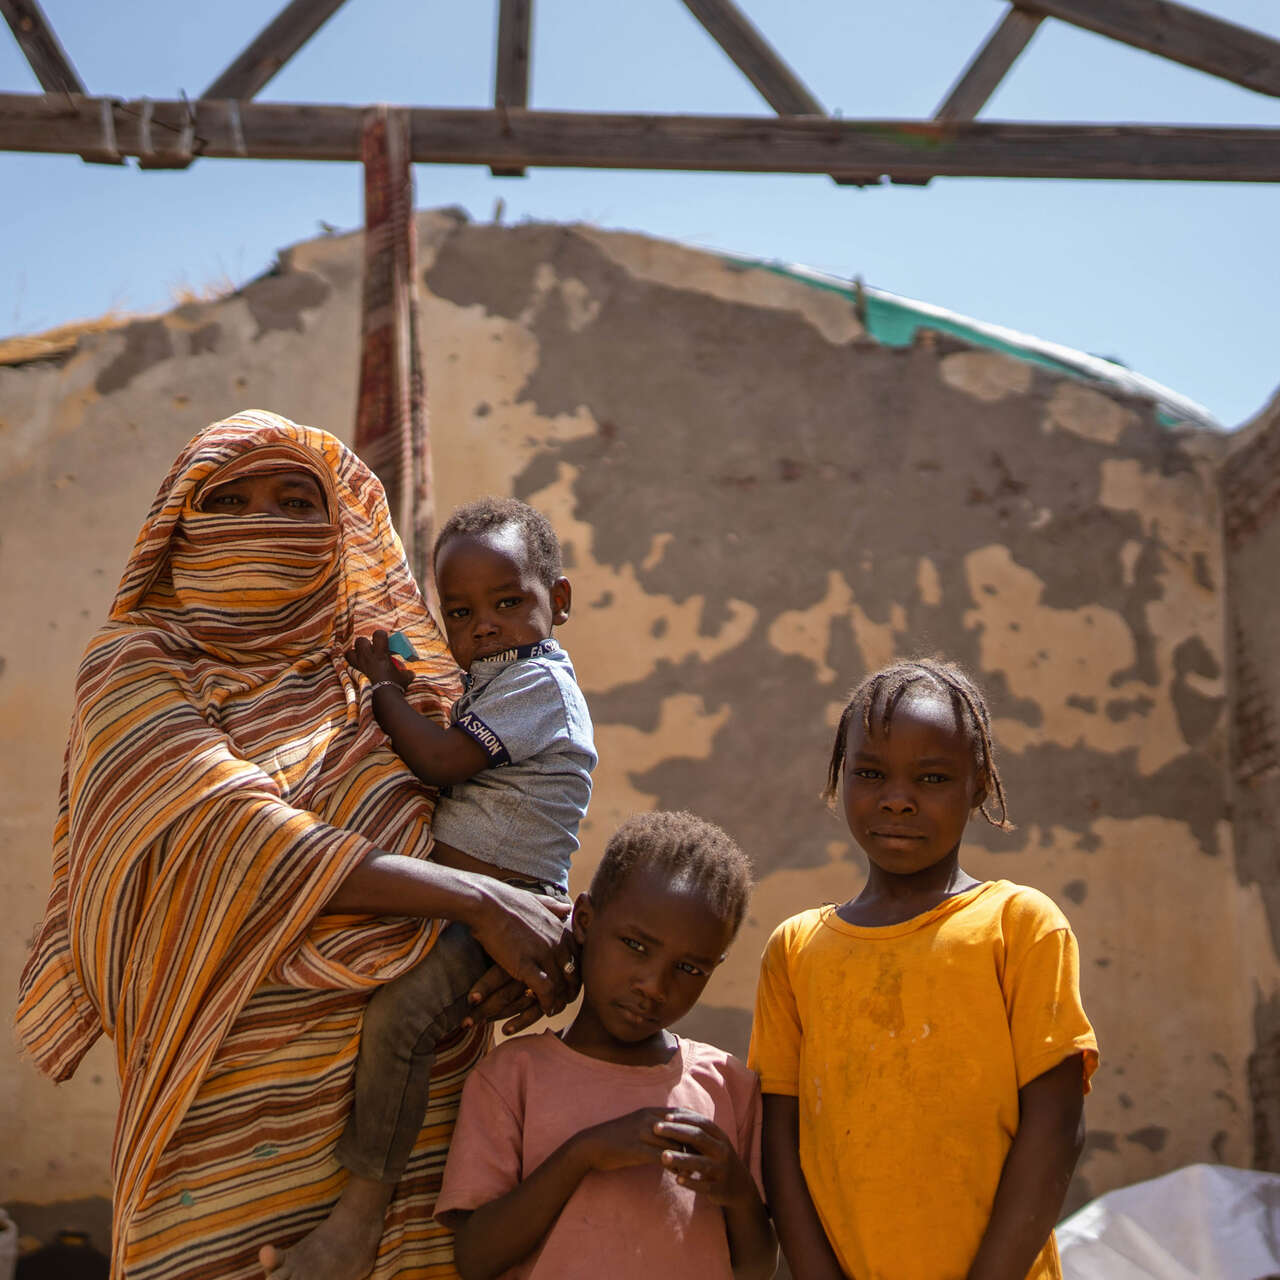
x,y
486,514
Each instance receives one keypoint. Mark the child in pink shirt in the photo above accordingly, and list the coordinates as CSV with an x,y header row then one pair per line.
x,y
616,1148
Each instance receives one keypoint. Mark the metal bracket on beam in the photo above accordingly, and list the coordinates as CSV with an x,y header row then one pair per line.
x,y
108,150
178,156
237,127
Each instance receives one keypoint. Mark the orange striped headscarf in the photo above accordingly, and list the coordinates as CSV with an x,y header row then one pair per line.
x,y
224,773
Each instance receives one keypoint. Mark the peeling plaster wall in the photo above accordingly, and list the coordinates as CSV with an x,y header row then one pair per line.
x,y
758,505
1251,503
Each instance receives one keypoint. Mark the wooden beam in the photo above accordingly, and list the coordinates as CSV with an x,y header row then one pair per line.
x,y
754,56
511,75
989,66
42,48
272,47
1176,31
986,69
734,144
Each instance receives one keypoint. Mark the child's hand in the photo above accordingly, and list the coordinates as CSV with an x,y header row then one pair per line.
x,y
375,659
703,1159
630,1140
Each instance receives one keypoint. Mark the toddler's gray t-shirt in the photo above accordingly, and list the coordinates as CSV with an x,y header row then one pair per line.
x,y
522,812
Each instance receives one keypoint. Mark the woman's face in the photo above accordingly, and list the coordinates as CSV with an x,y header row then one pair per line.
x,y
291,495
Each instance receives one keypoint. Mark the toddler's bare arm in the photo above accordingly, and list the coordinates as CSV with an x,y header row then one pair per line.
x,y
437,756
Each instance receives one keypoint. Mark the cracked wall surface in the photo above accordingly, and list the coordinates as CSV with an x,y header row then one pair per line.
x,y
759,504
1251,503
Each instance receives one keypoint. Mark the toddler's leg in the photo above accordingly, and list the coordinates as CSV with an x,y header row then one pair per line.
x,y
404,1021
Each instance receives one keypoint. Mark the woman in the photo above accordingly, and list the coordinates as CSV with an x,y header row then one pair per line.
x,y
228,804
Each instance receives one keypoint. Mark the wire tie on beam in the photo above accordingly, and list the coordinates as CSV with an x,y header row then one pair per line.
x,y
108,149
187,134
145,149
237,128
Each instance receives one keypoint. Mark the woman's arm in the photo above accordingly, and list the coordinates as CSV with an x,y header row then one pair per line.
x,y
804,1243
1036,1172
493,1238
524,933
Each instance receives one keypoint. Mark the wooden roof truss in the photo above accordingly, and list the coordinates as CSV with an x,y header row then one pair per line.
x,y
226,121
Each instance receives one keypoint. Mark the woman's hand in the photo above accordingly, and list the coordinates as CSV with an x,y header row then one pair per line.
x,y
527,936
374,658
498,995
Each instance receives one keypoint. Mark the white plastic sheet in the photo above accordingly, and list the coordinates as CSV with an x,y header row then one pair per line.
x,y
1204,1222
8,1246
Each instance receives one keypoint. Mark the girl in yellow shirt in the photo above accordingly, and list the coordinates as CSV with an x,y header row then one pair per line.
x,y
922,1047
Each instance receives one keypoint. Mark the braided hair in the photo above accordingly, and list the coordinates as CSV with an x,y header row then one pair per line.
x,y
879,694
685,850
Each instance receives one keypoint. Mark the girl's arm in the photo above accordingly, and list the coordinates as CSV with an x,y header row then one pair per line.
x,y
804,1242
1036,1172
493,1238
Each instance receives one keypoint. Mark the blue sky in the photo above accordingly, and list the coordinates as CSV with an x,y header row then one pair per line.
x,y
1177,280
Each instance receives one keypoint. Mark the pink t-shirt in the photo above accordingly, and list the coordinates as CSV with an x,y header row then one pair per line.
x,y
533,1093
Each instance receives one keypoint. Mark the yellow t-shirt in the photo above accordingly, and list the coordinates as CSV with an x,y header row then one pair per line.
x,y
906,1045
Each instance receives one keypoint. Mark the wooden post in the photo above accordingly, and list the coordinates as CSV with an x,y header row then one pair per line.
x,y
511,75
392,434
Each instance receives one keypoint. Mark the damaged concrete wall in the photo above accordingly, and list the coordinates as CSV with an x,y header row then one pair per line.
x,y
759,504
1251,504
